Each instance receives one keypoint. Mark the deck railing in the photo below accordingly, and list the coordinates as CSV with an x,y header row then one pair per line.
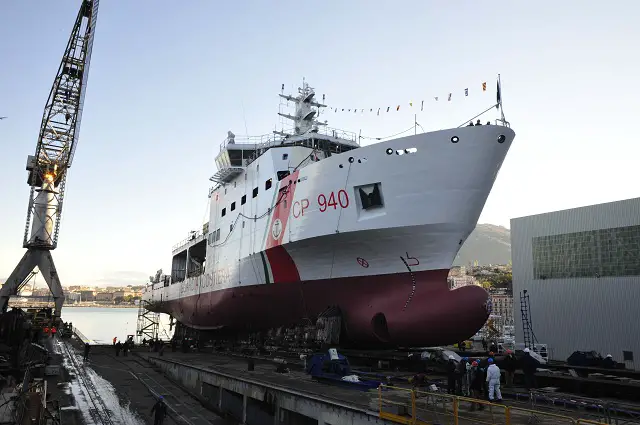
x,y
414,407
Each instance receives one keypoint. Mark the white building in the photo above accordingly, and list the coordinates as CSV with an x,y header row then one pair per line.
x,y
502,305
581,268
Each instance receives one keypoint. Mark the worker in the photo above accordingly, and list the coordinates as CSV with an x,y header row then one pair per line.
x,y
461,377
608,362
125,348
478,122
510,364
118,347
451,375
115,339
493,379
87,348
160,409
529,368
476,383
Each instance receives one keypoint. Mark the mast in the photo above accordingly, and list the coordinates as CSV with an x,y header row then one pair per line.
x,y
306,111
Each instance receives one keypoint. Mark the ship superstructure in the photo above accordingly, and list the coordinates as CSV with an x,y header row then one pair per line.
x,y
309,224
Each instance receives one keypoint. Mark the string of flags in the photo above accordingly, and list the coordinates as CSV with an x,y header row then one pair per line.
x,y
411,105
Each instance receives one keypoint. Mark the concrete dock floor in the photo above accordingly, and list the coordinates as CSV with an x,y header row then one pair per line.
x,y
122,390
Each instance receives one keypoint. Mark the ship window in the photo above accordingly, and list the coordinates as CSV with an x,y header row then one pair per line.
x,y
233,206
284,203
285,156
225,190
243,200
231,228
217,235
267,184
224,212
282,174
235,184
255,192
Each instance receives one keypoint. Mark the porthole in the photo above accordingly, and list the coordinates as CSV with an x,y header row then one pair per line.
x,y
351,159
340,165
501,138
389,151
455,139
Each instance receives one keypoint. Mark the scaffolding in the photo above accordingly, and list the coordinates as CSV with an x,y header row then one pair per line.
x,y
148,323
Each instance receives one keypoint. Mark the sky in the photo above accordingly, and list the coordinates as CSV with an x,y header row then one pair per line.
x,y
168,79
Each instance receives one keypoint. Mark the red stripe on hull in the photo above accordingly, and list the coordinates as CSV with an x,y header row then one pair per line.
x,y
435,315
282,265
280,218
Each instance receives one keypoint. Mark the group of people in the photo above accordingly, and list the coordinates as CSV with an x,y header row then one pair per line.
x,y
478,378
125,346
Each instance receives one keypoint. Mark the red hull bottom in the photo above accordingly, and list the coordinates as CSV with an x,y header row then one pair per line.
x,y
377,310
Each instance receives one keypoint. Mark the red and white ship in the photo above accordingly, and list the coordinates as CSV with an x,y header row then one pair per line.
x,y
307,221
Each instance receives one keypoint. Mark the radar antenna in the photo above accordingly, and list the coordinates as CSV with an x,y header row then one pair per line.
x,y
48,168
307,109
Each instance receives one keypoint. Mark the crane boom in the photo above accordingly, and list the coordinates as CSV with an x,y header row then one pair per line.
x,y
57,141
58,136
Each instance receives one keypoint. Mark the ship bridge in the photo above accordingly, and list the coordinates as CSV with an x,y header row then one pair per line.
x,y
236,154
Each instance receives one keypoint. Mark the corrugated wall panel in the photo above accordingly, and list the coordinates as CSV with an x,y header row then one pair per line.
x,y
599,314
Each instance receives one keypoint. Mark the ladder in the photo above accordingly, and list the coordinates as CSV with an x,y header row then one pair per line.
x,y
527,328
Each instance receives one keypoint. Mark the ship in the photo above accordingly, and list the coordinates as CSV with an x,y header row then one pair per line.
x,y
308,224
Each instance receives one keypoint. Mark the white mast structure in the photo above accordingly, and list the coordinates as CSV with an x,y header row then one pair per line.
x,y
307,109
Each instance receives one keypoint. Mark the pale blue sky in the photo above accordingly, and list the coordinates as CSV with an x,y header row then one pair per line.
x,y
169,78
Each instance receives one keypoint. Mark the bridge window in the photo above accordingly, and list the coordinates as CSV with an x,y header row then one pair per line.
x,y
233,206
267,184
243,200
282,174
224,212
255,192
285,156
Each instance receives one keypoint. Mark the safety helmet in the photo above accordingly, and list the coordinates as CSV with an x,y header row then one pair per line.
x,y
474,363
526,350
451,358
489,360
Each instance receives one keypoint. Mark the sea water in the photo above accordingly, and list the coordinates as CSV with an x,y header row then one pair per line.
x,y
101,324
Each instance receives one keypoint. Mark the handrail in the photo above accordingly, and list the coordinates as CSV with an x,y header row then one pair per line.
x,y
266,140
411,404
191,237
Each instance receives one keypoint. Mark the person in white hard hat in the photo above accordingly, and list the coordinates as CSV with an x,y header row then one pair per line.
x,y
608,362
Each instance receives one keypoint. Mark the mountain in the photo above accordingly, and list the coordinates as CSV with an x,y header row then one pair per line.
x,y
487,244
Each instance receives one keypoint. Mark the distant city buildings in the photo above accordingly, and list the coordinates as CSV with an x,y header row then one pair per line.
x,y
86,294
496,279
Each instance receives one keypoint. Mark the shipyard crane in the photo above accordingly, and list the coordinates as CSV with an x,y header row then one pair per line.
x,y
57,141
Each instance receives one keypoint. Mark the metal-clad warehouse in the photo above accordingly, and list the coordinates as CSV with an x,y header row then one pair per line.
x,y
581,268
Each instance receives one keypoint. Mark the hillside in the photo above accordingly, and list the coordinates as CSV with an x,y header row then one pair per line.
x,y
488,244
